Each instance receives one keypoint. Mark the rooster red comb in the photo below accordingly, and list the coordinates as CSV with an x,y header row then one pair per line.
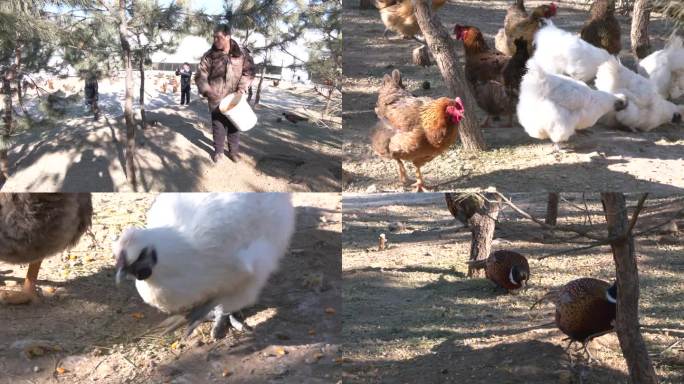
x,y
553,7
458,103
459,31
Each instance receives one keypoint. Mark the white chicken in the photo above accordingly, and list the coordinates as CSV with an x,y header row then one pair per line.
x,y
555,106
647,109
665,68
562,52
206,252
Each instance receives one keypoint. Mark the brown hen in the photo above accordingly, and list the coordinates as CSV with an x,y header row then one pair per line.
x,y
34,226
416,129
603,29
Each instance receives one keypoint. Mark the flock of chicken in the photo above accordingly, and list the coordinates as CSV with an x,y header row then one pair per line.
x,y
538,71
200,256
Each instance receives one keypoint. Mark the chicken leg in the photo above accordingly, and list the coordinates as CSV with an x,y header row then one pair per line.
x,y
402,171
28,293
224,321
420,184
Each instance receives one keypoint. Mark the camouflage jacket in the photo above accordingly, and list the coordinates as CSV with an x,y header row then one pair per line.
x,y
222,73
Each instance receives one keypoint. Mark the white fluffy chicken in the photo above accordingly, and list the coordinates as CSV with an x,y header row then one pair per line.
x,y
204,253
665,68
562,52
555,106
647,109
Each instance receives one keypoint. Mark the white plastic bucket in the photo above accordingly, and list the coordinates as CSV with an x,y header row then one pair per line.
x,y
238,111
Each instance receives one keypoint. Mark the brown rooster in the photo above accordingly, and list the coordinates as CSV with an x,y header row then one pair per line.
x,y
527,27
514,14
399,16
602,29
484,72
411,128
35,226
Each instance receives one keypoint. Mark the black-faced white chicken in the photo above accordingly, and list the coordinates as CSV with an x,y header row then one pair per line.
x,y
34,226
647,109
203,254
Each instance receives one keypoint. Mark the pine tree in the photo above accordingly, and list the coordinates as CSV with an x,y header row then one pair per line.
x,y
25,46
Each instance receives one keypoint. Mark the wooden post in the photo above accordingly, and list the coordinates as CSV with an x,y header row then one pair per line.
x,y
627,319
443,49
552,208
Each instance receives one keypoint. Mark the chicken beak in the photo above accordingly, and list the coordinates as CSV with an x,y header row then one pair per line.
x,y
120,268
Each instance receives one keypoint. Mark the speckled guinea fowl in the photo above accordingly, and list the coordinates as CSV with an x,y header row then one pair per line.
x,y
585,308
34,226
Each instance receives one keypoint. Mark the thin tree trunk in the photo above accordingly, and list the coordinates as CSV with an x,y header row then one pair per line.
x,y
143,122
641,15
258,91
328,102
128,105
552,208
444,51
627,320
480,216
8,125
366,4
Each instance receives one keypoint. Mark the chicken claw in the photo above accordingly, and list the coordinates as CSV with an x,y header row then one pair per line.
x,y
16,297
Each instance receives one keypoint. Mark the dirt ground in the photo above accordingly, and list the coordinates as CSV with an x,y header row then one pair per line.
x,y
604,159
74,153
84,329
412,316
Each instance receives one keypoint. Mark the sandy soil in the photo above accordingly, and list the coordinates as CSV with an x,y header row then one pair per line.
x,y
75,153
412,316
84,329
604,159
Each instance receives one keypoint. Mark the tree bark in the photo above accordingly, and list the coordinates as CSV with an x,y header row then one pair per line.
x,y
128,105
257,97
366,4
143,120
444,51
8,124
552,208
627,319
641,46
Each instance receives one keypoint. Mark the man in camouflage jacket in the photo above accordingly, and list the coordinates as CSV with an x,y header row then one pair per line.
x,y
224,69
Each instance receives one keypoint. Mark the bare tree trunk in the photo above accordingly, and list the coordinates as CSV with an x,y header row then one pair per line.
x,y
258,91
8,124
143,122
328,102
482,225
128,105
552,208
641,15
627,320
444,50
366,4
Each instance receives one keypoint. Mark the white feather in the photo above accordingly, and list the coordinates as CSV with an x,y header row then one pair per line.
x,y
561,52
665,68
510,277
610,298
555,106
647,109
221,247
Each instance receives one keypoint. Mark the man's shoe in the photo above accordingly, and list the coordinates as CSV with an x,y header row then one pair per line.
x,y
217,157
